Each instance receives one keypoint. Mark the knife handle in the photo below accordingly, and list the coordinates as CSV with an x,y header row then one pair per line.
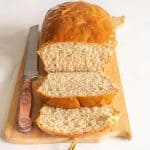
x,y
24,119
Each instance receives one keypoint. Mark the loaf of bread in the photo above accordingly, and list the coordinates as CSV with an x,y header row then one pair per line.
x,y
76,89
77,36
77,41
76,122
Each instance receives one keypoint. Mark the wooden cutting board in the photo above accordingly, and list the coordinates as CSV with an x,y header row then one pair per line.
x,y
122,129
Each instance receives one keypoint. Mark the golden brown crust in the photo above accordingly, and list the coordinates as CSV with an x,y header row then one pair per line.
x,y
78,101
77,22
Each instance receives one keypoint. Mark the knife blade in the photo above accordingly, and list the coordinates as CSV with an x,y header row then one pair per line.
x,y
30,72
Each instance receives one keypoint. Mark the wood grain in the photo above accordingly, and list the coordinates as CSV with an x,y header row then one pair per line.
x,y
12,134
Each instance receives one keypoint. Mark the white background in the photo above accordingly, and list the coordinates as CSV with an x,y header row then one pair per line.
x,y
16,16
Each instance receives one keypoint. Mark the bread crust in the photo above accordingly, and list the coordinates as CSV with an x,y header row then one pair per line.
x,y
77,22
78,101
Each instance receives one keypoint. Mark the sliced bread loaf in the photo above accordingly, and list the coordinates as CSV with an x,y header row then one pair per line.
x,y
77,36
76,89
76,122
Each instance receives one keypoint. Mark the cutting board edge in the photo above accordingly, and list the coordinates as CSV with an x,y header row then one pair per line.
x,y
7,137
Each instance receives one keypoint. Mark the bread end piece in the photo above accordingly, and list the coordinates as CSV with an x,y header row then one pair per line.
x,y
64,22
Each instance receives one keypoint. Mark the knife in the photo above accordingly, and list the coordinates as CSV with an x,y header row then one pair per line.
x,y
30,73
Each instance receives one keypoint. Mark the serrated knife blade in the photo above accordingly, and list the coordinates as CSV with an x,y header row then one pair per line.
x,y
30,72
31,54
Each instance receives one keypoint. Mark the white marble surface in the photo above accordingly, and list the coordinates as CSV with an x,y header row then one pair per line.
x,y
133,52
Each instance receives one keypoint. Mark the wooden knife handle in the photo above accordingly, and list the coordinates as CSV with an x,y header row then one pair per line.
x,y
24,120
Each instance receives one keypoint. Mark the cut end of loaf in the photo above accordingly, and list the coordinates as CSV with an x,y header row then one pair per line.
x,y
76,122
76,84
73,56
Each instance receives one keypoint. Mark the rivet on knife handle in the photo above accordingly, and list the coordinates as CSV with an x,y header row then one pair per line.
x,y
24,120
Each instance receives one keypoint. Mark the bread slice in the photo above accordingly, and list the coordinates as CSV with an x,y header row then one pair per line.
x,y
76,89
76,122
77,36
73,56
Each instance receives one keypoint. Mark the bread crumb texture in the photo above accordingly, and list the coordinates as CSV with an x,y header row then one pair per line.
x,y
76,84
72,56
79,120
